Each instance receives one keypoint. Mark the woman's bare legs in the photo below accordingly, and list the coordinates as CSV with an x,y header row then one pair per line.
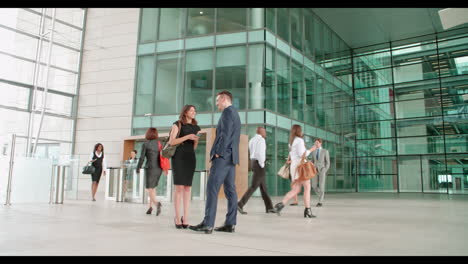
x,y
179,189
186,198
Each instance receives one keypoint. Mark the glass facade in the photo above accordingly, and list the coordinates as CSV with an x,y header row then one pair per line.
x,y
271,70
411,114
393,116
23,65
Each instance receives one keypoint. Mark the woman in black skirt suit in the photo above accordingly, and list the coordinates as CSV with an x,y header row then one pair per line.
x,y
153,171
99,163
183,162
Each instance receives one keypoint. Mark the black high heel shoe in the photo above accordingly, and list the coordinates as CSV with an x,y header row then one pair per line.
x,y
149,210
176,225
182,220
308,213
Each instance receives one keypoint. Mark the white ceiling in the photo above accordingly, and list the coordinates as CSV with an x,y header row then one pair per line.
x,y
360,27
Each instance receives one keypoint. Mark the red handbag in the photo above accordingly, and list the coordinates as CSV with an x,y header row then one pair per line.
x,y
163,162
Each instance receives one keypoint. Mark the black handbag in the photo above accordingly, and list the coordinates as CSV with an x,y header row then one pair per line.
x,y
169,150
89,169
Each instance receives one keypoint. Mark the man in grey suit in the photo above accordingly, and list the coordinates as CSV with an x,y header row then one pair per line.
x,y
321,160
224,156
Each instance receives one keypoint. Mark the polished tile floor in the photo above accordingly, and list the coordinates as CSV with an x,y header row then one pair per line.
x,y
348,224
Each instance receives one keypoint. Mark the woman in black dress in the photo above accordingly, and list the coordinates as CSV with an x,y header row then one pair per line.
x,y
99,162
153,171
183,162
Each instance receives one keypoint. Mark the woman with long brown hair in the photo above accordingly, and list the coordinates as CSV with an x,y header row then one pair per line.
x,y
296,150
150,150
183,162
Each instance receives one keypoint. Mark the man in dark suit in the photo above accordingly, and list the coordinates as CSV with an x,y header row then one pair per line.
x,y
224,157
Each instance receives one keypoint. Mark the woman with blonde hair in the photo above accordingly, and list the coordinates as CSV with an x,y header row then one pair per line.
x,y
296,151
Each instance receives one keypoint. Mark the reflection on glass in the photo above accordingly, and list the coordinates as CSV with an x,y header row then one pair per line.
x,y
200,21
199,79
231,19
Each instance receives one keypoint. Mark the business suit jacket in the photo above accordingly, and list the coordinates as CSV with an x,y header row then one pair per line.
x,y
323,162
150,151
227,139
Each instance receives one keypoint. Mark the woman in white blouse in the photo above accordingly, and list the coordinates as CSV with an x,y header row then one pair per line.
x,y
99,162
296,150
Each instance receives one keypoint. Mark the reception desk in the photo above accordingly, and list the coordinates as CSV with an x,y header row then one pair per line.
x,y
208,136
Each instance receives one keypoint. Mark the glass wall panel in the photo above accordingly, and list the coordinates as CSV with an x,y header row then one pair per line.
x,y
18,44
282,16
231,19
457,167
418,108
375,95
145,85
420,145
308,47
377,165
409,169
64,34
199,79
270,78
434,173
14,96
59,80
148,25
14,69
200,21
373,78
366,113
72,16
420,127
231,74
377,183
283,81
271,19
296,28
20,19
61,57
376,129
55,104
169,88
376,147
172,23
297,86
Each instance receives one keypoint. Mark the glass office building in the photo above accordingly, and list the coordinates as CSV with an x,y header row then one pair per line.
x,y
393,116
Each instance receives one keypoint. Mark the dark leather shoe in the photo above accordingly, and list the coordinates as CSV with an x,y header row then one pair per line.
x,y
241,210
226,228
202,228
278,208
319,205
294,204
158,209
270,211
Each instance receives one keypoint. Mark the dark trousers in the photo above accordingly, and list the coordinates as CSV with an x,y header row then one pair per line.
x,y
258,180
222,171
